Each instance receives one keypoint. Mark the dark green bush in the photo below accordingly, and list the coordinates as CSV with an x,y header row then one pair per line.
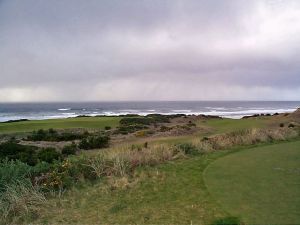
x,y
145,120
94,142
227,221
165,129
188,148
14,151
107,128
136,120
41,168
205,139
281,125
48,155
127,129
53,135
69,149
158,118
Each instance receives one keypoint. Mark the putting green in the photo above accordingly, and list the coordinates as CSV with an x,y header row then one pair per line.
x,y
260,185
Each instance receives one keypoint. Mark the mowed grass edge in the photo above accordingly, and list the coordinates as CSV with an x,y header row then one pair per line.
x,y
68,123
260,185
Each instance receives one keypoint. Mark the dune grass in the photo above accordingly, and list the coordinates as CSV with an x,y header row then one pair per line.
x,y
171,193
260,185
82,122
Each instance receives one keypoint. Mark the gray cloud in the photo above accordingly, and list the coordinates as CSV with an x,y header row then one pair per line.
x,y
149,50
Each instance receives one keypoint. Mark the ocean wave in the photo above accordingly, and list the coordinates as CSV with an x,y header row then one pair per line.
x,y
64,109
235,112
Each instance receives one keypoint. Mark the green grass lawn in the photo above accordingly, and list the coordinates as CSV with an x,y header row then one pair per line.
x,y
83,122
228,125
260,185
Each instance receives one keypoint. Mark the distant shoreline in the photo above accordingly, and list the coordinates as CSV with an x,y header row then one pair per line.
x,y
137,115
225,109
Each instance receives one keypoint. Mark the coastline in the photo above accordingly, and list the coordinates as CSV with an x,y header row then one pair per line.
x,y
226,109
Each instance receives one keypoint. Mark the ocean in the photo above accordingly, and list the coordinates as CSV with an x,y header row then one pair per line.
x,y
229,109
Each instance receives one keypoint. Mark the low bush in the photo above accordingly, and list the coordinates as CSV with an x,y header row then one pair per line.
x,y
14,151
94,142
141,133
158,118
136,120
188,148
145,120
165,128
127,129
69,149
291,125
48,155
227,221
53,135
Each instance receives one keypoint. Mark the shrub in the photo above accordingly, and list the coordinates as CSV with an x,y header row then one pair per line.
x,y
136,120
13,151
41,168
69,149
127,129
191,124
205,139
66,173
107,128
165,129
94,142
227,221
141,133
158,118
146,145
291,125
281,124
53,135
188,148
146,120
48,155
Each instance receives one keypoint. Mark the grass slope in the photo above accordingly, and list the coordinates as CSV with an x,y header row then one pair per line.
x,y
83,122
260,185
228,125
172,193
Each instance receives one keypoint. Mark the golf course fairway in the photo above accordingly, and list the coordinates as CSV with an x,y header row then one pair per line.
x,y
259,185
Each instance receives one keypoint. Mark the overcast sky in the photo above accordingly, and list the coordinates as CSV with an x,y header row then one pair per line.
x,y
77,50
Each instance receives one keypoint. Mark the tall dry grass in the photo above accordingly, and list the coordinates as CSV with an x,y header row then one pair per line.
x,y
123,160
20,201
245,137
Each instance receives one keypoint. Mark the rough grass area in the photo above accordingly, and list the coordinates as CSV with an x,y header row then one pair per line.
x,y
82,122
172,193
260,185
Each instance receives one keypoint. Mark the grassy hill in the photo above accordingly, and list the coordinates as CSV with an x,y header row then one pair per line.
x,y
188,170
260,185
69,123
